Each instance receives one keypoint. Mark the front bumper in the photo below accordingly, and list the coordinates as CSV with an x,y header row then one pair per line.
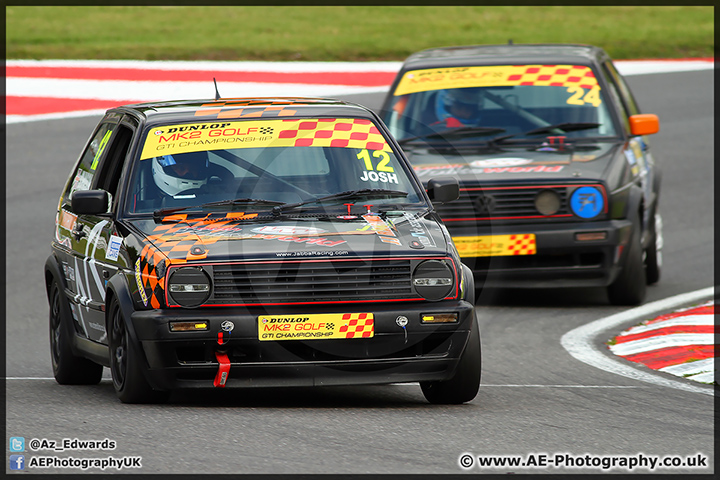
x,y
560,259
420,352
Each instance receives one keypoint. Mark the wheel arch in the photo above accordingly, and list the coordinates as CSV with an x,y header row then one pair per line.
x,y
117,289
53,272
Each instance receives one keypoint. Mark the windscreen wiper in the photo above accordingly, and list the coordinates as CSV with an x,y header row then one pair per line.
x,y
157,214
238,201
364,192
565,127
455,132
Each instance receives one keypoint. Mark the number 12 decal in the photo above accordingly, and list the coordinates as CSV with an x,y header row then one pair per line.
x,y
382,165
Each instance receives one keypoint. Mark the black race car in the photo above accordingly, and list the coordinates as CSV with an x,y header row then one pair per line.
x,y
256,242
557,184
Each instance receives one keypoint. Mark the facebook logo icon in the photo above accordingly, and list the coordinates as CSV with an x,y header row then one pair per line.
x,y
17,462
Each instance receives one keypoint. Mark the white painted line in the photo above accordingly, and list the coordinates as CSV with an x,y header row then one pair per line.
x,y
565,386
124,90
662,341
227,66
54,116
642,67
43,378
579,341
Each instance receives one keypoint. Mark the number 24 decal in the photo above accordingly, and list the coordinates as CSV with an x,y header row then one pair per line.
x,y
579,97
382,166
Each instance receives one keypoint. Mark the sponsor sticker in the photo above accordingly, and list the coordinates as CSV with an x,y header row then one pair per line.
x,y
288,230
576,77
501,162
315,132
113,249
496,245
138,280
316,327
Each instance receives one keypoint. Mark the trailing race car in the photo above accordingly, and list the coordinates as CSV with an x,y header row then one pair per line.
x,y
557,184
256,242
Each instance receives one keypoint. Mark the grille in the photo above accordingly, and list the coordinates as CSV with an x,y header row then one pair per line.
x,y
312,282
501,203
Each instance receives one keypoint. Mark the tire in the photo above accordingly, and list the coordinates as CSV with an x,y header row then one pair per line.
x,y
125,363
653,254
464,385
68,368
630,286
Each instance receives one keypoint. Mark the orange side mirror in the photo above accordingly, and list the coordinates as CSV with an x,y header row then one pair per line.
x,y
644,124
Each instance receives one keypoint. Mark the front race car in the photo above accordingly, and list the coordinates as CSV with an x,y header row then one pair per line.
x,y
297,251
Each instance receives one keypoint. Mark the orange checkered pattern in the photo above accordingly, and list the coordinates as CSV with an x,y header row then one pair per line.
x,y
360,325
150,258
332,132
169,242
523,245
552,75
247,109
177,239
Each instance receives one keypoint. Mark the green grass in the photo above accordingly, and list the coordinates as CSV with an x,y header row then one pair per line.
x,y
336,33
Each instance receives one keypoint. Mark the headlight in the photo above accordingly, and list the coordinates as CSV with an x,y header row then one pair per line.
x,y
587,202
547,202
189,286
433,280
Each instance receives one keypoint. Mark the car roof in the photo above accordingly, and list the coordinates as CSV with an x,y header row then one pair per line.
x,y
508,54
243,108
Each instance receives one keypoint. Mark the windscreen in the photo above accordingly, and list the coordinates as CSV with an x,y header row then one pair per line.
x,y
510,99
276,161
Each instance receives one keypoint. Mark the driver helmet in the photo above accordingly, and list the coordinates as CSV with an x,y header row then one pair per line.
x,y
176,173
463,104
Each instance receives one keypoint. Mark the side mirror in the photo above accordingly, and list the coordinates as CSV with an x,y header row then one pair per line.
x,y
644,124
89,202
443,189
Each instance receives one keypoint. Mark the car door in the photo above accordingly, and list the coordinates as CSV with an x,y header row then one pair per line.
x,y
95,243
643,142
637,150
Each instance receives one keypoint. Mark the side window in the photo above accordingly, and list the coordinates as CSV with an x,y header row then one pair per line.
x,y
108,176
617,99
85,173
624,89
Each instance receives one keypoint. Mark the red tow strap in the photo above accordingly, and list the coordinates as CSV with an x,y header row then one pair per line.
x,y
224,368
223,371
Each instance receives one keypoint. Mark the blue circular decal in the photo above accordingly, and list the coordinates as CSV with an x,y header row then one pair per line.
x,y
587,202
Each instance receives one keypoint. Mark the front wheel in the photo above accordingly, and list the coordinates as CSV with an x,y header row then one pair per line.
x,y
464,385
68,369
128,379
630,286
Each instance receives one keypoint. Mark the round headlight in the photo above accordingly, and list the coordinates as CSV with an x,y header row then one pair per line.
x,y
189,286
587,202
433,280
547,202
